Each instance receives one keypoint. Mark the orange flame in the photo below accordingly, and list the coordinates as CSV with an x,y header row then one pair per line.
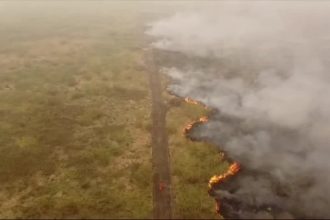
x,y
194,102
218,207
189,126
191,101
203,119
218,179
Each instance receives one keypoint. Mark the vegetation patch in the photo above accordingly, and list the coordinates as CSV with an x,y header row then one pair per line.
x,y
193,163
73,108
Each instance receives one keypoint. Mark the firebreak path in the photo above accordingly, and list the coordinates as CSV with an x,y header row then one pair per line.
x,y
159,141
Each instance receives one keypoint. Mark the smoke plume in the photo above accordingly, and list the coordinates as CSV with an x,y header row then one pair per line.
x,y
265,67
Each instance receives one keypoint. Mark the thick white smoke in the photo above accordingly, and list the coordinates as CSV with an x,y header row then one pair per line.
x,y
273,80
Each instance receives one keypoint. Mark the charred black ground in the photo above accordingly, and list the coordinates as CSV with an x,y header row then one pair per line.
x,y
257,191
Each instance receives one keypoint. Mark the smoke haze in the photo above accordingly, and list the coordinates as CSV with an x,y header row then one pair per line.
x,y
269,81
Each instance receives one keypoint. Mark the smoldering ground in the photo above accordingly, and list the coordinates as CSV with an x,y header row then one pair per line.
x,y
265,67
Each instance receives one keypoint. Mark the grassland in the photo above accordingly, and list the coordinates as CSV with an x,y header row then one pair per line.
x,y
193,163
75,117
74,109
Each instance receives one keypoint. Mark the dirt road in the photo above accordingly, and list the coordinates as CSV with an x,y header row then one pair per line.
x,y
159,141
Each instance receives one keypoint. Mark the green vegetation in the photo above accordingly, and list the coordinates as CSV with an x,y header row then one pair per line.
x,y
193,163
74,110
75,117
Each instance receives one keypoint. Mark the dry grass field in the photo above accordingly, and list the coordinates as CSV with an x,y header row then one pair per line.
x,y
75,117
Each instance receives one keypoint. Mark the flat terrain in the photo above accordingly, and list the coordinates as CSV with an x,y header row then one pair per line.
x,y
160,150
192,163
75,113
75,117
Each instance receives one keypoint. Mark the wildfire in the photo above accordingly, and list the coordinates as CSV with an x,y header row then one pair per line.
x,y
203,119
216,180
188,127
191,101
194,102
233,169
218,207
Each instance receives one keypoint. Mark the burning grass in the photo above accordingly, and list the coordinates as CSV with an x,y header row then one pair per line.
x,y
215,180
218,179
74,112
193,163
189,126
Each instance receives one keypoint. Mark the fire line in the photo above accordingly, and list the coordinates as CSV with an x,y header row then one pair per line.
x,y
215,180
